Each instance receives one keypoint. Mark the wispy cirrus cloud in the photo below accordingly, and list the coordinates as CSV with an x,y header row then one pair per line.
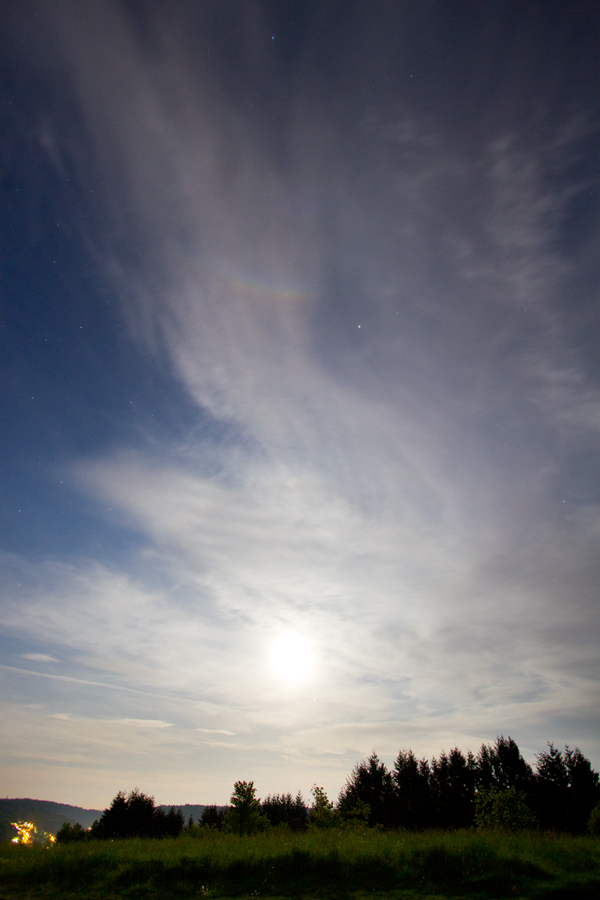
x,y
387,402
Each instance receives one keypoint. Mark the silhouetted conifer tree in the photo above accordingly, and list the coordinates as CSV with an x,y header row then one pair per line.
x,y
566,789
213,817
370,783
169,824
452,781
135,815
583,790
413,806
285,809
500,765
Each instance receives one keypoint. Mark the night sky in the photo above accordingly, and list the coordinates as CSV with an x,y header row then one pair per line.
x,y
300,369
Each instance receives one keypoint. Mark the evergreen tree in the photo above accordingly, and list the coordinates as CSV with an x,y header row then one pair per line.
x,y
501,765
452,780
135,815
285,809
583,789
168,824
566,789
369,784
413,806
128,816
213,817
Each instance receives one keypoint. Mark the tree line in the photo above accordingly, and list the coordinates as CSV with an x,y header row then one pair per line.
x,y
494,788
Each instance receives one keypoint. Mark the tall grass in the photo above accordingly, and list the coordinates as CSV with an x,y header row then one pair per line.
x,y
317,864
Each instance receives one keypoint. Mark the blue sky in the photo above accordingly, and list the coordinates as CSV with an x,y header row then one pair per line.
x,y
301,389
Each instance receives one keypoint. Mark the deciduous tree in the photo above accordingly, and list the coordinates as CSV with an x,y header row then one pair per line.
x,y
244,815
322,814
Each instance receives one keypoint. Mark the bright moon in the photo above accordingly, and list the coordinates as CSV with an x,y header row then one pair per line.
x,y
292,658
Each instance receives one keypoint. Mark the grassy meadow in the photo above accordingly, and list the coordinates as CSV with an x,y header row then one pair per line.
x,y
317,864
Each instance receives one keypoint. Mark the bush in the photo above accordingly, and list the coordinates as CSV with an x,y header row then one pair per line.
x,y
503,809
594,821
70,834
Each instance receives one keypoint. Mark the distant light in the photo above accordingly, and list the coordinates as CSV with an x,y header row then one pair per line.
x,y
25,830
28,834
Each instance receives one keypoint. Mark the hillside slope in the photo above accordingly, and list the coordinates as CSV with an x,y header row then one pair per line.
x,y
45,814
49,816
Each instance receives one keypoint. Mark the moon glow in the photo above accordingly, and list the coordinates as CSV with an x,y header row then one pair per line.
x,y
292,658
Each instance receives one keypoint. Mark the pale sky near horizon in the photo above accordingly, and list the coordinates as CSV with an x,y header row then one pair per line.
x,y
299,315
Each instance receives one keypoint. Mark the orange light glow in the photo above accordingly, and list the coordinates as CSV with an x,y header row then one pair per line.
x,y
27,833
25,830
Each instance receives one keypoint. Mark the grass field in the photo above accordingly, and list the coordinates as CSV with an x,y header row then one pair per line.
x,y
325,864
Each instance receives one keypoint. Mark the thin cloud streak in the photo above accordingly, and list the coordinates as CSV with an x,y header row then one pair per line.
x,y
102,684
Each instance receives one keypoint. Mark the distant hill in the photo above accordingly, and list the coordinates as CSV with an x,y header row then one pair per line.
x,y
49,816
45,815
